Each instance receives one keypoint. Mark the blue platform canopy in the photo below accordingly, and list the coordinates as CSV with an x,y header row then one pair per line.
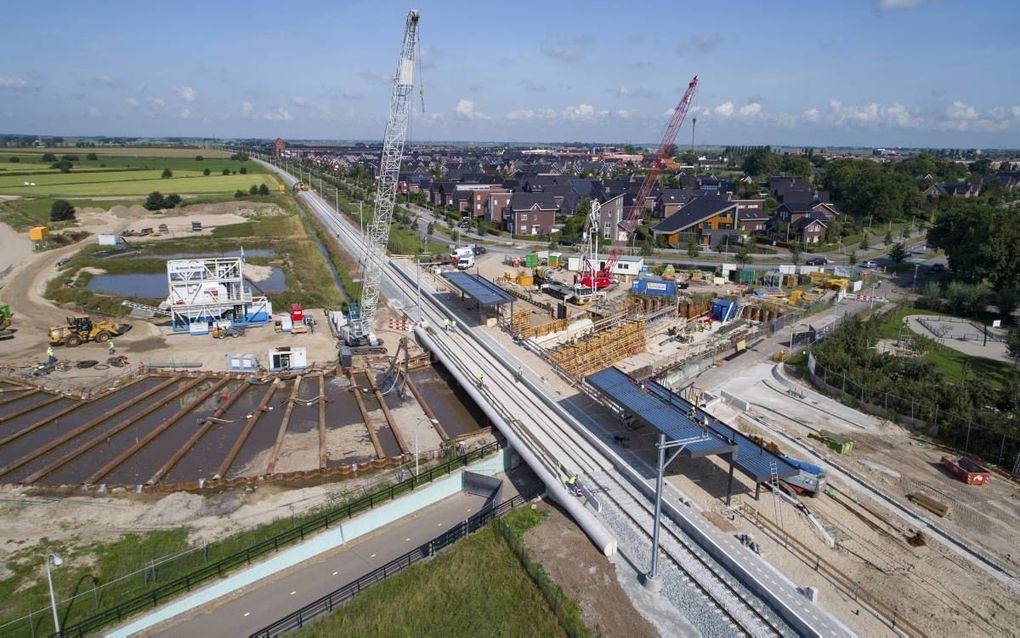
x,y
479,288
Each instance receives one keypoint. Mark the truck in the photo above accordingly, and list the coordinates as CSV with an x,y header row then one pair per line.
x,y
809,479
81,330
463,257
966,470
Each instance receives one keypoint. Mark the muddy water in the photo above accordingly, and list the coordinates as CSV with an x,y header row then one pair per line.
x,y
112,406
263,437
342,414
305,418
454,409
203,460
386,439
140,467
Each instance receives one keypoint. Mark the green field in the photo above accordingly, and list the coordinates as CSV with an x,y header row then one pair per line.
x,y
102,186
476,588
133,151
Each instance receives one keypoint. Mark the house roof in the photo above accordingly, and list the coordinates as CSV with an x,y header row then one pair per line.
x,y
811,218
521,200
698,210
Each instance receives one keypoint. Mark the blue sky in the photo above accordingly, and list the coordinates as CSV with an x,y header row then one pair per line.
x,y
867,72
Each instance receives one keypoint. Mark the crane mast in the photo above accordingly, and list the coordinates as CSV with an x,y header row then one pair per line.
x,y
603,278
362,317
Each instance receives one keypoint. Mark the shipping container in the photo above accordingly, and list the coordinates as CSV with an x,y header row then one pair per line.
x,y
654,287
38,233
724,310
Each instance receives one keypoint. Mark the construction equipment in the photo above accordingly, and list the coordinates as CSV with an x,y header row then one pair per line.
x,y
594,277
218,332
6,317
80,330
360,328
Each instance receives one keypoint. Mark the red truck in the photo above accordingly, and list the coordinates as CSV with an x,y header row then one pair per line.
x,y
967,471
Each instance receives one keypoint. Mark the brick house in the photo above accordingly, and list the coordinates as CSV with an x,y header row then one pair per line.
x,y
751,216
489,202
707,221
530,214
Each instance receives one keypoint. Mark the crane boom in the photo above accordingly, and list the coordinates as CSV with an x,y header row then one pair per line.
x,y
378,230
637,209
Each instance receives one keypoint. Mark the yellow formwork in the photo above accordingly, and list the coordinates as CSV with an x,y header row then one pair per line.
x,y
600,351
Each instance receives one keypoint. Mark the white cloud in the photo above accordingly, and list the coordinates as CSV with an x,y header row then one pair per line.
x,y
750,110
531,114
724,110
94,112
871,115
187,93
699,43
813,115
625,114
583,113
154,106
899,4
373,75
279,114
625,92
132,102
1015,111
466,110
185,113
107,81
298,101
12,82
348,94
960,111
247,109
562,54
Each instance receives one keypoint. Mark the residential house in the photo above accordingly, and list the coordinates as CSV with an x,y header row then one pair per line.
x,y
812,228
751,216
489,202
707,221
530,213
612,216
793,216
960,190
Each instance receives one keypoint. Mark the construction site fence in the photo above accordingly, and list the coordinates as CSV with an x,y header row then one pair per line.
x,y
121,610
963,432
854,589
336,598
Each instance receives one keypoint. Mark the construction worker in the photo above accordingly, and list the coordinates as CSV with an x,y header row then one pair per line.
x,y
446,324
50,357
481,379
111,348
520,373
572,484
453,325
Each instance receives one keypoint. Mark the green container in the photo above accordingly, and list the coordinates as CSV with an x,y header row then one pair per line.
x,y
553,260
531,260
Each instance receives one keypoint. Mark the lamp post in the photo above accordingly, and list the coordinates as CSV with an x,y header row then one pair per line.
x,y
57,562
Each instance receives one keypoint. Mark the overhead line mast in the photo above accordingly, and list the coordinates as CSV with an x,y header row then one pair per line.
x,y
362,317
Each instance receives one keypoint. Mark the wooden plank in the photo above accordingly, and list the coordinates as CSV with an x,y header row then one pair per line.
x,y
379,453
156,431
278,445
322,421
393,424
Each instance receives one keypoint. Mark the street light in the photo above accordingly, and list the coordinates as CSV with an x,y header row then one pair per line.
x,y
57,562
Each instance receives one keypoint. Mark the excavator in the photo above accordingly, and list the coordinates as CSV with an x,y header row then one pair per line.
x,y
80,330
5,322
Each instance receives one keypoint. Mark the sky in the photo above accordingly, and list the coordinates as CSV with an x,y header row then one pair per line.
x,y
922,73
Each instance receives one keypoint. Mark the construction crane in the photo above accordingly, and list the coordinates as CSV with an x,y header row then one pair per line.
x,y
595,278
361,316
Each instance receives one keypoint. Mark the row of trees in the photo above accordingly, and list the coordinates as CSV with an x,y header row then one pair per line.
x,y
256,189
158,201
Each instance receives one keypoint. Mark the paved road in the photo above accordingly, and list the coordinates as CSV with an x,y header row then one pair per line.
x,y
272,599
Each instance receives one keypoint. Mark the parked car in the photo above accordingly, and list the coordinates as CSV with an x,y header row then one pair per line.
x,y
479,250
938,268
868,264
63,262
566,242
817,261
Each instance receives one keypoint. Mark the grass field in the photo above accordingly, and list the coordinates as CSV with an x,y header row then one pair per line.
x,y
476,588
129,183
24,213
133,151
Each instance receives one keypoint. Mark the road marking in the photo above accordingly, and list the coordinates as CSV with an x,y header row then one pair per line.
x,y
335,573
247,613
372,556
293,592
407,540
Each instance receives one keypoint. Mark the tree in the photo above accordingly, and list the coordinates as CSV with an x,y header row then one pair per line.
x,y
206,172
63,165
795,254
254,190
239,193
743,255
14,159
226,171
906,230
863,189
888,238
154,201
853,257
898,253
199,158
1013,345
243,170
61,211
647,249
49,157
431,228
171,201
70,158
92,157
167,174
263,189
864,241
693,250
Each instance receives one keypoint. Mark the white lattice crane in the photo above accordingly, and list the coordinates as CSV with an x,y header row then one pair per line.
x,y
362,315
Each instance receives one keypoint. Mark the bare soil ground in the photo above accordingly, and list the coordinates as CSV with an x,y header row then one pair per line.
x,y
586,576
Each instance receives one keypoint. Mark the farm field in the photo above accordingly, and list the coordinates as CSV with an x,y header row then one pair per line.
x,y
129,183
132,151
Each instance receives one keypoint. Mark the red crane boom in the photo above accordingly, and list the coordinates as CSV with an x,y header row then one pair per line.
x,y
679,113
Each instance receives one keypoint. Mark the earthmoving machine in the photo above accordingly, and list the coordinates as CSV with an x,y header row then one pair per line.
x,y
80,330
5,322
359,329
593,277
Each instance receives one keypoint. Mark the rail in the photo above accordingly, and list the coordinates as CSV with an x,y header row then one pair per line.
x,y
332,600
219,568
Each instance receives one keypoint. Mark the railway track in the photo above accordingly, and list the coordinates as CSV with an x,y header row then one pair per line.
x,y
726,606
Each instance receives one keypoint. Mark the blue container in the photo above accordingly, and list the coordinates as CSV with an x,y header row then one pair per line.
x,y
723,310
654,287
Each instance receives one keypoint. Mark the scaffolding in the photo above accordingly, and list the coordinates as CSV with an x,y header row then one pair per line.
x,y
601,350
210,289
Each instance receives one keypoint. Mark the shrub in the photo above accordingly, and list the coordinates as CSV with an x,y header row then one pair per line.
x,y
263,190
239,193
254,190
226,171
243,170
206,172
92,156
155,201
49,157
167,173
61,211
199,158
14,160
171,201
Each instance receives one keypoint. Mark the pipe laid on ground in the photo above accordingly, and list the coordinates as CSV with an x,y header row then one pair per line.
x,y
595,530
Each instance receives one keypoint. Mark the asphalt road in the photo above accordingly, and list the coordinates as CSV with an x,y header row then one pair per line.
x,y
272,599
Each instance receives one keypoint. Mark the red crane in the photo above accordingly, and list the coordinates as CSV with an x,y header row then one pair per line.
x,y
603,277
